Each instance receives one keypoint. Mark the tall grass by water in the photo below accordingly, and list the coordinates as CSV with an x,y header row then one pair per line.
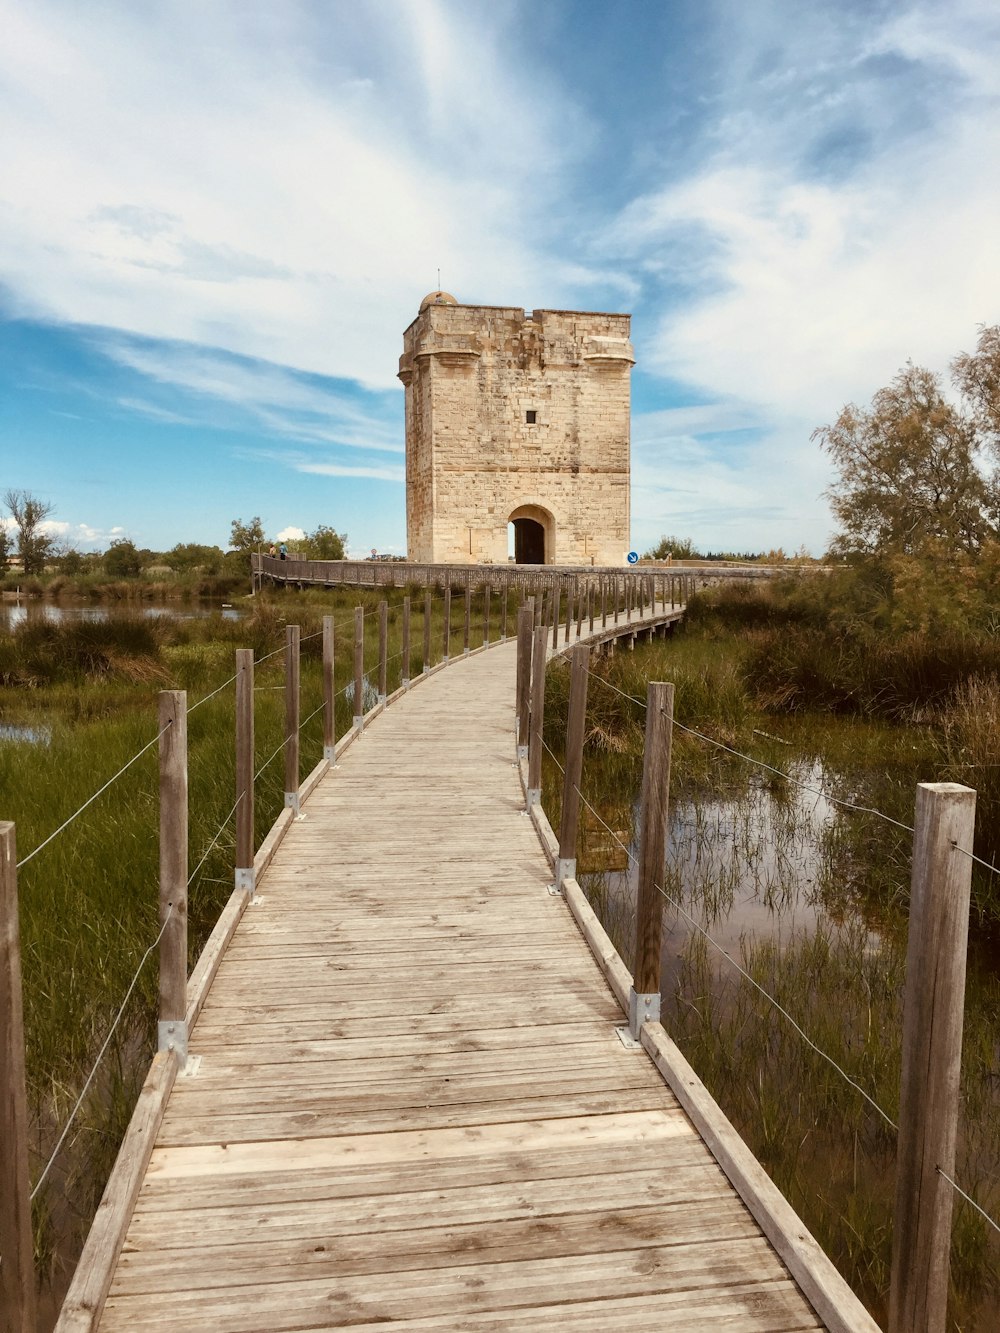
x,y
87,693
808,897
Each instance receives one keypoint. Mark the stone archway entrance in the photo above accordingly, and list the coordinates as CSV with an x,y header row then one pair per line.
x,y
534,533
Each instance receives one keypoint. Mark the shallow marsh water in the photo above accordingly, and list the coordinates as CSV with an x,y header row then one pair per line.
x,y
768,872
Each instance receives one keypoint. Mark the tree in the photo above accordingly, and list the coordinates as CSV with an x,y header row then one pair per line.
x,y
245,538
5,547
911,475
28,513
325,544
977,376
192,556
122,560
673,548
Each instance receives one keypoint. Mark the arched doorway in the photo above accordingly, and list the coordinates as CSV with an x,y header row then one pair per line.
x,y
533,532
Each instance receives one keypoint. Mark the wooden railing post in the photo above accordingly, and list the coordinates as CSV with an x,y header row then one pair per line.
x,y
468,619
575,729
292,717
541,638
244,876
486,611
525,618
604,602
556,593
592,593
359,668
503,607
427,627
447,621
172,1026
933,1008
329,692
644,1000
17,1263
615,598
405,677
383,651
570,591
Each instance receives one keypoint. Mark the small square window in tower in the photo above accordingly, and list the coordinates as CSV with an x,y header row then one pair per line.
x,y
531,416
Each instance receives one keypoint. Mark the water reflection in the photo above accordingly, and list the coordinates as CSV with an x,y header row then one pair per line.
x,y
744,868
13,614
18,735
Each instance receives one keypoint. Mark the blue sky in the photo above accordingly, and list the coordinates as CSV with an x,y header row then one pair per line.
x,y
217,218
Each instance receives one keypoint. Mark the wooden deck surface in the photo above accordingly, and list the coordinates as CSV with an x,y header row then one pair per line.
x,y
412,1106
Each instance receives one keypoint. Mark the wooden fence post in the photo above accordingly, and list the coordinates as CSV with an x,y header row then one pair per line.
x,y
406,644
604,602
556,593
570,590
503,607
17,1271
534,794
244,877
329,693
933,1008
359,668
447,621
468,619
383,651
525,618
427,628
573,775
172,1026
292,717
644,1000
590,605
486,612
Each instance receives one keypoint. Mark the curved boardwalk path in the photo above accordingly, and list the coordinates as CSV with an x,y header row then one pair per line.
x,y
412,1105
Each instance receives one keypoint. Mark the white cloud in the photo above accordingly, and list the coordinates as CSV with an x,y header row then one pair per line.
x,y
811,286
397,474
291,535
283,186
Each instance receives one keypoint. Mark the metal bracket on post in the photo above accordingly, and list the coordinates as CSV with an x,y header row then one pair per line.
x,y
359,722
533,797
565,869
330,753
522,751
172,1035
406,682
642,1009
246,879
292,803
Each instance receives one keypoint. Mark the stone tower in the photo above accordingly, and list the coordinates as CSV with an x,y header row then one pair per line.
x,y
516,418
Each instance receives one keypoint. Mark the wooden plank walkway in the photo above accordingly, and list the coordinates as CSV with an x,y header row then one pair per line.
x,y
412,1105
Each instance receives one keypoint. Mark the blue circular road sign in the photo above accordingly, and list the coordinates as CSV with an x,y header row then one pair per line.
x,y
633,557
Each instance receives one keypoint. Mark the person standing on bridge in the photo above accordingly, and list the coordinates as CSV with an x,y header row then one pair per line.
x,y
283,551
272,552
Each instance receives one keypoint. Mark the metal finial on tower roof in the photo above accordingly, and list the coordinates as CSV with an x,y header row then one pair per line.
x,y
439,279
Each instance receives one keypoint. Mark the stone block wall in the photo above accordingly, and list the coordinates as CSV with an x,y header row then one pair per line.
x,y
511,414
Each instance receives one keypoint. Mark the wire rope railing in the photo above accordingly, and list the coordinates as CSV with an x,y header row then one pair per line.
x,y
569,785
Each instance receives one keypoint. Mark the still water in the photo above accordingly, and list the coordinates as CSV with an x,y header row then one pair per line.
x,y
16,613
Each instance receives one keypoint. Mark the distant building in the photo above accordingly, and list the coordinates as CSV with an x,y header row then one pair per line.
x,y
516,418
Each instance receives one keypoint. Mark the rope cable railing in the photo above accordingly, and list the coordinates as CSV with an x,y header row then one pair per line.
x,y
91,799
100,1055
697,926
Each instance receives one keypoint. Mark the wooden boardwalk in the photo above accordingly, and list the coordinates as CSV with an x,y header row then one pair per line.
x,y
412,1107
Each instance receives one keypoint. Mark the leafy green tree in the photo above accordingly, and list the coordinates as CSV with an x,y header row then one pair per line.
x,y
325,543
29,513
69,561
6,546
910,473
244,539
189,556
122,560
673,548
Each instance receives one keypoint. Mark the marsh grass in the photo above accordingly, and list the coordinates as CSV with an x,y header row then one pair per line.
x,y
811,899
